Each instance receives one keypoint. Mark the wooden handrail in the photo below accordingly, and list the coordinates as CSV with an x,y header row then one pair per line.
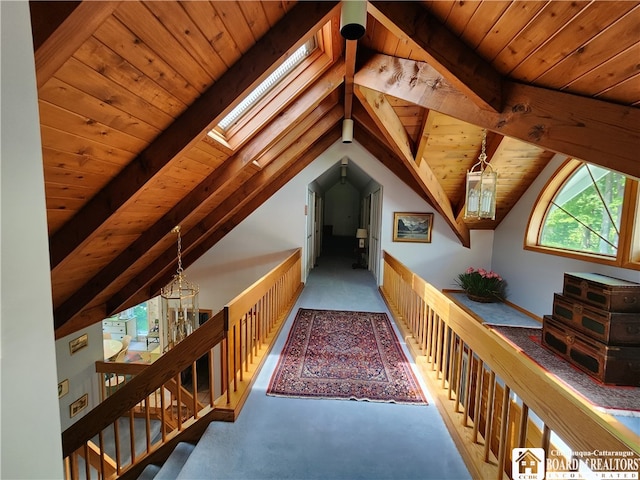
x,y
254,319
473,373
155,391
162,370
250,296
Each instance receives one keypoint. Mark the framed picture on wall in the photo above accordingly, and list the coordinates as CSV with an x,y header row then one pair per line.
x,y
63,388
78,405
412,227
78,343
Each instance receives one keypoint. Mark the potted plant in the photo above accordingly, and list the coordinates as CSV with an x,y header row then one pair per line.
x,y
482,286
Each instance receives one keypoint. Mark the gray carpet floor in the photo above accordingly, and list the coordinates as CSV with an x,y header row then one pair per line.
x,y
288,438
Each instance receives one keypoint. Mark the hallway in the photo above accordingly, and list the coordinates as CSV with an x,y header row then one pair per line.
x,y
284,438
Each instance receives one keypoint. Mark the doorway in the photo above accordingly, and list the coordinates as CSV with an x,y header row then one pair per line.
x,y
341,201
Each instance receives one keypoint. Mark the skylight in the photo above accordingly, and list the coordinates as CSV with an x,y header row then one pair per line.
x,y
267,85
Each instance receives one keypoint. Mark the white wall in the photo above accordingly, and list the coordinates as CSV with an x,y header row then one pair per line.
x,y
80,370
256,245
534,277
30,439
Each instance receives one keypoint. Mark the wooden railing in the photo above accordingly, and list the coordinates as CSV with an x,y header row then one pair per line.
x,y
147,409
254,319
492,397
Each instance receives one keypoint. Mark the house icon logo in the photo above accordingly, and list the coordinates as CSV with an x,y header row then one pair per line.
x,y
527,463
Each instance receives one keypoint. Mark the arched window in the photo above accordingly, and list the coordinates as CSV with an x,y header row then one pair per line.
x,y
588,212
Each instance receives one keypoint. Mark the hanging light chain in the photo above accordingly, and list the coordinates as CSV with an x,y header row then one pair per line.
x,y
483,154
177,230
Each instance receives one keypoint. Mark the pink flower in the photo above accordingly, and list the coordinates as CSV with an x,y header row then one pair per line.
x,y
482,272
469,270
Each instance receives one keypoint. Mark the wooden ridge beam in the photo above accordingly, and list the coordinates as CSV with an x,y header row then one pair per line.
x,y
350,69
188,129
311,106
459,64
388,122
159,272
594,131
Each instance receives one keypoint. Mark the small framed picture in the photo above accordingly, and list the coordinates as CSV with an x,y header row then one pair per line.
x,y
412,227
79,405
78,343
63,388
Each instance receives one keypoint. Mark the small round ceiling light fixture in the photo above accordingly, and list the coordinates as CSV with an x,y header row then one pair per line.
x,y
353,19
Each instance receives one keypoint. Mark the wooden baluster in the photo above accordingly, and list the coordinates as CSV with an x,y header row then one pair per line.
x,y
457,379
132,436
67,468
467,396
87,460
478,400
147,422
116,437
254,332
415,321
235,359
546,438
101,446
446,362
488,427
522,430
163,415
194,376
504,430
75,468
438,345
249,339
179,401
225,367
212,393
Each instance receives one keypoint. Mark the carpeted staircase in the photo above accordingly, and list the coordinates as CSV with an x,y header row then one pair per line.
x,y
172,467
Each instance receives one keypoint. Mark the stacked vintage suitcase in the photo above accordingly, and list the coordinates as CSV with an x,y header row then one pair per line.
x,y
596,327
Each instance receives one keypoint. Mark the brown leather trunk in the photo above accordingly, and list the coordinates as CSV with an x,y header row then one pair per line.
x,y
608,293
610,328
613,365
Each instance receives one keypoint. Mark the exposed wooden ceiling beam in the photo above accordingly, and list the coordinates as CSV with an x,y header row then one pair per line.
x,y
592,130
148,282
459,64
46,18
288,34
386,119
427,125
72,32
350,69
310,107
373,140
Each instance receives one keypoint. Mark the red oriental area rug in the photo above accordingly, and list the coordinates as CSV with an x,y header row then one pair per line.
x,y
344,355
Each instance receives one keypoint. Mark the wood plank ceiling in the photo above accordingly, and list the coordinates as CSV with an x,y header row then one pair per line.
x,y
128,91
